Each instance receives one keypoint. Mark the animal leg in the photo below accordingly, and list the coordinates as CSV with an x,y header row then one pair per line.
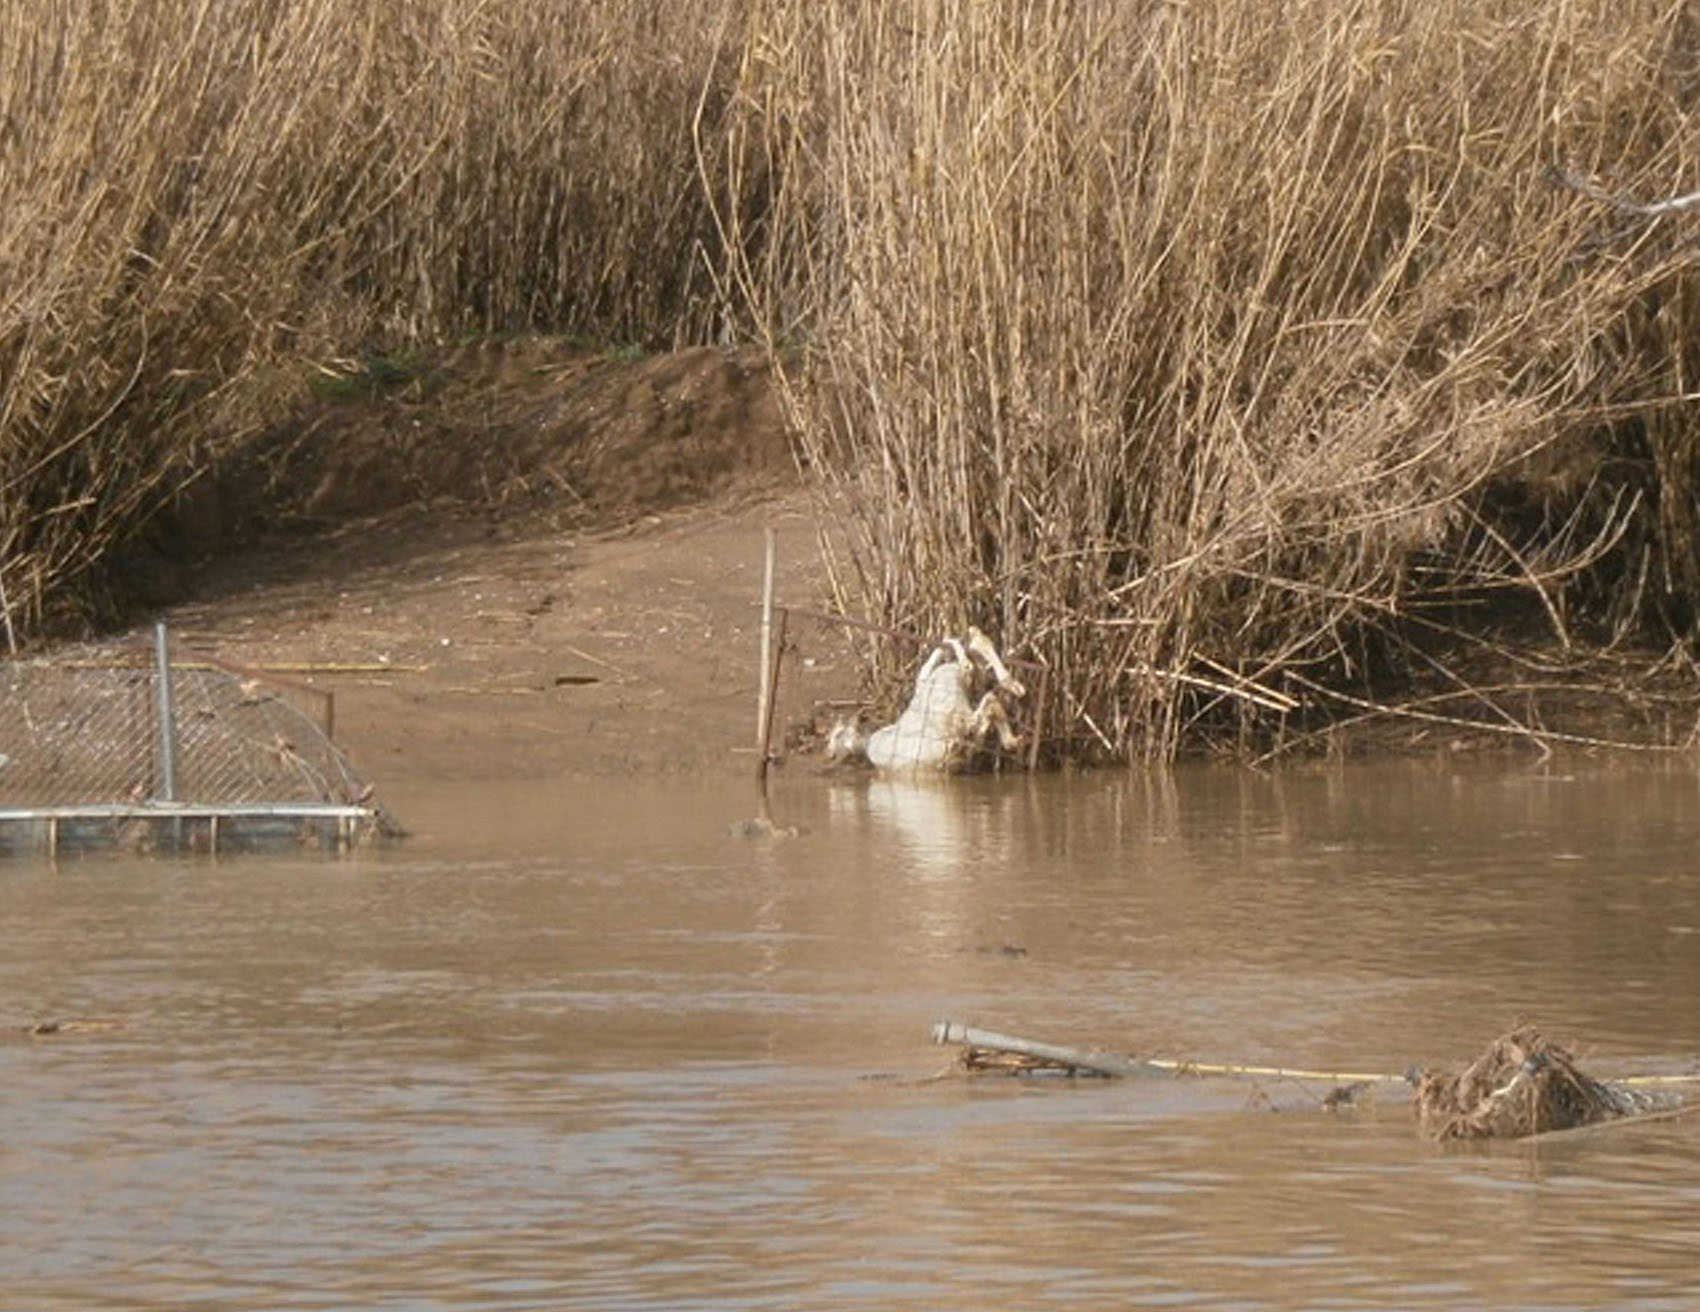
x,y
935,656
981,646
941,688
846,739
991,716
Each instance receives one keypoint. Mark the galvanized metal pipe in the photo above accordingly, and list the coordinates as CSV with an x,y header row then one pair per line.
x,y
167,782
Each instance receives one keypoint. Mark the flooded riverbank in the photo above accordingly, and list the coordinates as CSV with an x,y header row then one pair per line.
x,y
574,1045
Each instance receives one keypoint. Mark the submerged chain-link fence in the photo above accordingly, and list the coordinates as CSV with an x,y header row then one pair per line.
x,y
96,730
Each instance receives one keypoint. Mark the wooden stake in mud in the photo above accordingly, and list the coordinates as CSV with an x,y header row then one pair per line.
x,y
764,690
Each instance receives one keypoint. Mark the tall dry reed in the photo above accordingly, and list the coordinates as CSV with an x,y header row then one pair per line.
x,y
1181,345
199,199
1189,344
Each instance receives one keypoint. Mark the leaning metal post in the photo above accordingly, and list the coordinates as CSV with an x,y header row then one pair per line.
x,y
167,790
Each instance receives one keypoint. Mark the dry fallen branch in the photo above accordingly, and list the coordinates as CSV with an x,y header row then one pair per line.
x,y
1515,729
1245,689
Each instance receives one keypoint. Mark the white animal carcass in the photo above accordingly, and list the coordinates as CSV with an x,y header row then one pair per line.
x,y
942,728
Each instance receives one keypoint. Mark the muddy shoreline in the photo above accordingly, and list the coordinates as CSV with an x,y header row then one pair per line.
x,y
617,652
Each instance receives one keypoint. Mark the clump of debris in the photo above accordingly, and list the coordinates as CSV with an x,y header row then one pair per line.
x,y
1522,1085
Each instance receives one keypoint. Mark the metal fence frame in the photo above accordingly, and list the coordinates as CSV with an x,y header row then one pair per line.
x,y
145,754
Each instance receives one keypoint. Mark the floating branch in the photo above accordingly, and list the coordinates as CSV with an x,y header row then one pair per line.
x,y
1515,729
79,1025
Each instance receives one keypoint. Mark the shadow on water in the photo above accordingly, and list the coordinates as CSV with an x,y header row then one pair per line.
x,y
577,1045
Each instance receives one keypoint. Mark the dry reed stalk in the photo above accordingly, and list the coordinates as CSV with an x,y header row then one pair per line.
x,y
197,198
1143,334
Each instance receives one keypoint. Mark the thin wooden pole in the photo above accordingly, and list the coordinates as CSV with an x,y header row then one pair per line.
x,y
764,690
766,746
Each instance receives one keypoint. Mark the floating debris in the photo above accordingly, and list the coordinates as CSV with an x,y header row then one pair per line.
x,y
1522,1085
48,1028
987,1050
760,829
1344,1096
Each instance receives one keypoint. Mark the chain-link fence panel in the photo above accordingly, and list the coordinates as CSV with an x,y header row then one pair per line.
x,y
95,730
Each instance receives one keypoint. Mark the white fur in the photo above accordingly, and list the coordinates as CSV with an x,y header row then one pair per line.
x,y
942,727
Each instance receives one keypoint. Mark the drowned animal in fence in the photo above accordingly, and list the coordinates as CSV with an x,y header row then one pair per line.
x,y
943,728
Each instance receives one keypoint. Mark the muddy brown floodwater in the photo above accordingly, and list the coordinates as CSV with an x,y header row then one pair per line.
x,y
574,1046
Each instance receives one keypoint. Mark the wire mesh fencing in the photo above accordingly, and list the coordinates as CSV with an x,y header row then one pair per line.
x,y
81,733
104,730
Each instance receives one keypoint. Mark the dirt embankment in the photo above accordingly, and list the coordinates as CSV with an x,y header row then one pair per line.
x,y
522,559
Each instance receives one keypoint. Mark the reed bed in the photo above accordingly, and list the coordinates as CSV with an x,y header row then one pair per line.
x,y
1189,347
1191,350
201,202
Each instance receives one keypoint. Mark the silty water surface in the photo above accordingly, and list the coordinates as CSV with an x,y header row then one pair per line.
x,y
573,1046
